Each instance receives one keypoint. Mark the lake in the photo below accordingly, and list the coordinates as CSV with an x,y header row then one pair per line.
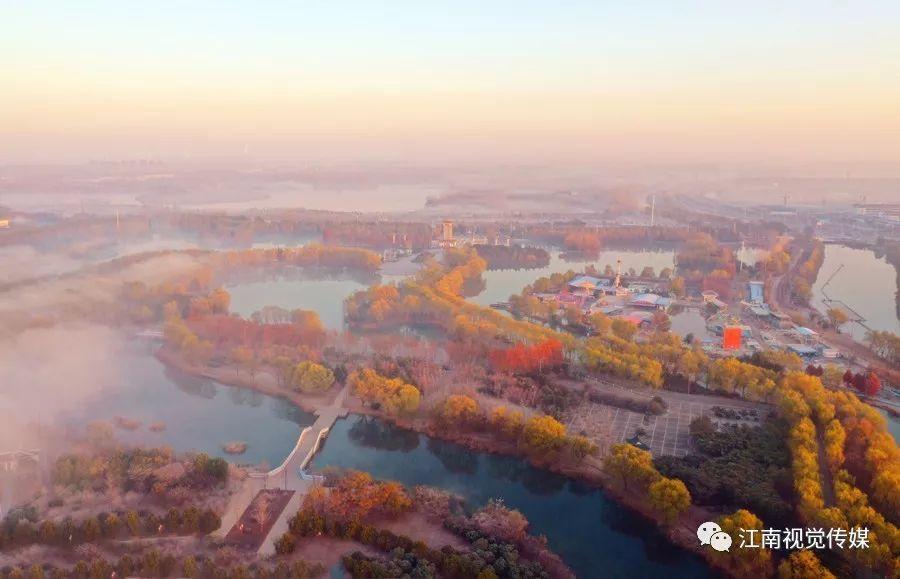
x,y
324,296
596,536
199,414
500,284
863,282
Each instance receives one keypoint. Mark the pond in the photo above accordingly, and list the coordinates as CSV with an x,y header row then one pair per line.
x,y
500,284
199,414
593,534
862,282
690,321
324,296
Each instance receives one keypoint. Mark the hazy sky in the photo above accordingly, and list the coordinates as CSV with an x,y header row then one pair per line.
x,y
537,81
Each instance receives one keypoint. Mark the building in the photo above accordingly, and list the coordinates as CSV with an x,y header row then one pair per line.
x,y
447,231
709,295
806,334
732,337
650,301
756,291
803,351
587,284
4,223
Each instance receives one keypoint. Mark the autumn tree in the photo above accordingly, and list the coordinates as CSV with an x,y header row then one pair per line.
x,y
311,377
678,287
669,497
507,423
241,357
803,564
630,466
624,329
392,394
458,410
543,434
744,562
837,317
219,301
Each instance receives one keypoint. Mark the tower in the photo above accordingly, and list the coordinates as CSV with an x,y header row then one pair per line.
x,y
447,230
652,210
618,273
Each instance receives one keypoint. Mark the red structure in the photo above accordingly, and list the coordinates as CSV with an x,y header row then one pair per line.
x,y
731,338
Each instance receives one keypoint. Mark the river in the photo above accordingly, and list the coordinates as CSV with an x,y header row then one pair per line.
x,y
863,282
596,536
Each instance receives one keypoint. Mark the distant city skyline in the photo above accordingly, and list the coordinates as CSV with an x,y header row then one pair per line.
x,y
535,82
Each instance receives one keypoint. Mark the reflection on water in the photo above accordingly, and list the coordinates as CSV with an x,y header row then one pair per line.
x,y
863,282
199,414
595,536
372,433
500,284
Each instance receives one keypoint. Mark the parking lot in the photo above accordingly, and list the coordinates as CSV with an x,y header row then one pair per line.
x,y
666,435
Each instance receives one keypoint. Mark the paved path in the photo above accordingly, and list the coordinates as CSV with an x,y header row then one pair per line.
x,y
286,475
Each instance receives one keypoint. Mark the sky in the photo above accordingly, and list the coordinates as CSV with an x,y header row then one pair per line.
x,y
552,82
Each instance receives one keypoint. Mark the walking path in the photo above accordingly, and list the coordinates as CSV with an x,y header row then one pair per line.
x,y
286,476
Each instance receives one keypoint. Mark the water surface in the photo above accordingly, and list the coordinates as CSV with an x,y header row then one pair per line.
x,y
324,296
500,284
199,414
594,535
865,283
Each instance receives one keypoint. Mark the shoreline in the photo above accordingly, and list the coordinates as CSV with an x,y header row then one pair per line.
x,y
682,535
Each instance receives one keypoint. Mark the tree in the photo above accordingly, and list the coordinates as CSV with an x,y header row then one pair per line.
x,y
219,301
600,323
837,316
848,378
630,466
543,434
623,329
803,565
392,394
458,410
745,562
831,376
690,364
677,286
702,425
648,272
241,357
873,384
507,423
669,497
312,377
